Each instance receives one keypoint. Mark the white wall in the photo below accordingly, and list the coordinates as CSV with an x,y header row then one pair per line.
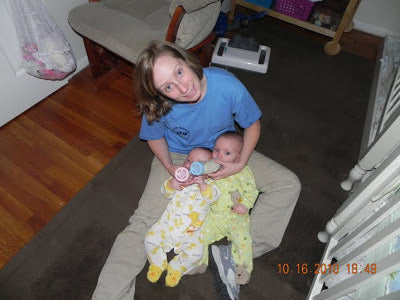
x,y
18,90
379,17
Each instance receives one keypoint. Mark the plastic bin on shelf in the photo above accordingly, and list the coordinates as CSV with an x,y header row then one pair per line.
x,y
299,9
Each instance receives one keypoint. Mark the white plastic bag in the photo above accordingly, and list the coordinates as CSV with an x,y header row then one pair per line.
x,y
46,53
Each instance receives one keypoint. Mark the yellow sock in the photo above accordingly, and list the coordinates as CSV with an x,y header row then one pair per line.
x,y
154,273
173,277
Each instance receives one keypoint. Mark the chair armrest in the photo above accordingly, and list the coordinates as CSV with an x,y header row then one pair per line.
x,y
174,24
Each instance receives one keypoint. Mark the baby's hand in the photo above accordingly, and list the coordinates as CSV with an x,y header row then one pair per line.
x,y
200,182
174,184
188,182
240,209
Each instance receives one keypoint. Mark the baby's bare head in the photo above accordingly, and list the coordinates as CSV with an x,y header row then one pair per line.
x,y
228,147
197,154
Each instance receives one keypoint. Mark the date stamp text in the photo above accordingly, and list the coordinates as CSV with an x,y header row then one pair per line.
x,y
304,268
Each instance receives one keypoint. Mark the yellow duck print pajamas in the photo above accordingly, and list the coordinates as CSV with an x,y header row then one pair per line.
x,y
179,229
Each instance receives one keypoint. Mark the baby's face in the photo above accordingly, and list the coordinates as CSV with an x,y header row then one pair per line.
x,y
226,149
196,155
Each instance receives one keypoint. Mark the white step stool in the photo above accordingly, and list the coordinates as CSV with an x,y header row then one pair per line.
x,y
225,55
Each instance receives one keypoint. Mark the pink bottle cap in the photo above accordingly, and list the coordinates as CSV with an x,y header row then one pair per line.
x,y
182,174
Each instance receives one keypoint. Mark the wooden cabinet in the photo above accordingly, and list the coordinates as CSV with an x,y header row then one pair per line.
x,y
332,47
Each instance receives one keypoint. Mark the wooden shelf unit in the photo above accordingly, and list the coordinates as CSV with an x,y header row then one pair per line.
x,y
332,47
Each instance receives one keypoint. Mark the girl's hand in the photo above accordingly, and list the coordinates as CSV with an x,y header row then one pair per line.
x,y
172,169
226,169
240,209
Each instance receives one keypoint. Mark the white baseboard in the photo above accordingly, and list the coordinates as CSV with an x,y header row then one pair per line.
x,y
374,29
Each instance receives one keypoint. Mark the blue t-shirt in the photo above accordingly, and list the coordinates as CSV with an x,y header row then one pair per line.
x,y
187,126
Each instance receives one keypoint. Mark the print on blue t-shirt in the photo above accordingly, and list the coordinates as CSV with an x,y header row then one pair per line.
x,y
182,132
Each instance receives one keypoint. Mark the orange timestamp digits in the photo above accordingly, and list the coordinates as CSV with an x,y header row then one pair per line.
x,y
355,268
322,268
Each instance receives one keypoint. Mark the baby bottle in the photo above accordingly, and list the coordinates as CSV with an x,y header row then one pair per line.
x,y
182,174
204,167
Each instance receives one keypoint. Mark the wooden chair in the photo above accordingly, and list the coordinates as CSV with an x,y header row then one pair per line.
x,y
116,41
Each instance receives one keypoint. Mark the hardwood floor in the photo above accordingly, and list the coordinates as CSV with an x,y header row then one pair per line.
x,y
51,151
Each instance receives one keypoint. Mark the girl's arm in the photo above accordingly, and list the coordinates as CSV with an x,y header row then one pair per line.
x,y
161,151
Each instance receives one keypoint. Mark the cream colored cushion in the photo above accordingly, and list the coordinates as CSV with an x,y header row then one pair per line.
x,y
127,26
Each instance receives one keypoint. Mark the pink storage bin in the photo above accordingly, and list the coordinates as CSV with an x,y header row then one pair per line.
x,y
299,9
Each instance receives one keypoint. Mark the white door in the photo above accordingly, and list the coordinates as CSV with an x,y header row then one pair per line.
x,y
18,90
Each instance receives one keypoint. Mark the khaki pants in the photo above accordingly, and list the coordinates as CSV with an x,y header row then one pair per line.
x,y
279,189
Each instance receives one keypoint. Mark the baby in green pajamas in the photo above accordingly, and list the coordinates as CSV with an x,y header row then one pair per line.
x,y
229,216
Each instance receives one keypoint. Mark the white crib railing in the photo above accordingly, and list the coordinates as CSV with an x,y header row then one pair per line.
x,y
362,256
392,105
382,125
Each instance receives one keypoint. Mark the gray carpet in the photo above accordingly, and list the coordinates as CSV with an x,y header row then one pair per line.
x,y
313,113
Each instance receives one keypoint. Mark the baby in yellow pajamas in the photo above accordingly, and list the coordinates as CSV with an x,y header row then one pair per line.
x,y
229,217
179,226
